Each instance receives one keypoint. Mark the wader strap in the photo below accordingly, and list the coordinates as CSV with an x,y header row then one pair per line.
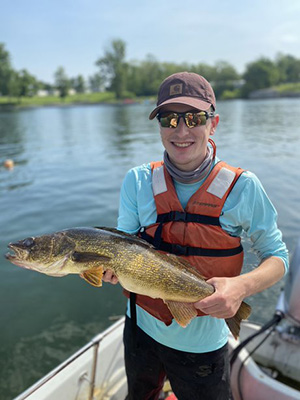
x,y
133,318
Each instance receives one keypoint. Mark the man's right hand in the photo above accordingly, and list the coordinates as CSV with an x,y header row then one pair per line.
x,y
108,276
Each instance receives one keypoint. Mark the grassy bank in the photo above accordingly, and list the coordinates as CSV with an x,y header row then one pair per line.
x,y
81,98
283,90
287,89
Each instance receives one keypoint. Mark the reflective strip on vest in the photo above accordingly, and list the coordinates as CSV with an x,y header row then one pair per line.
x,y
218,187
159,184
221,183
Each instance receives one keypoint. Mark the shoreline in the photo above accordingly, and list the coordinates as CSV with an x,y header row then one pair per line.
x,y
25,103
261,94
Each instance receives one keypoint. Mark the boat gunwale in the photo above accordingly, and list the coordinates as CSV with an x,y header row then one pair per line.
x,y
96,341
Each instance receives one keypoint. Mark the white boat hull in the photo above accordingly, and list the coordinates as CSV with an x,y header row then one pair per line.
x,y
97,372
276,354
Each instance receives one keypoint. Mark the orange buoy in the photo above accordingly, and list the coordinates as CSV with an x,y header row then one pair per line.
x,y
9,164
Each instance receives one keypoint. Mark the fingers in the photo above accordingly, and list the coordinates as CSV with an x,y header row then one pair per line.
x,y
218,311
217,306
108,276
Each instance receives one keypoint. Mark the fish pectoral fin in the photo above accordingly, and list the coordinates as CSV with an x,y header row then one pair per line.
x,y
93,276
86,257
183,313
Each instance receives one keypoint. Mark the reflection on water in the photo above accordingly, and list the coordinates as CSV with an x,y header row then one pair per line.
x,y
70,163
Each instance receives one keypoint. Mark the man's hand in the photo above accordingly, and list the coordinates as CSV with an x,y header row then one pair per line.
x,y
108,276
225,301
230,292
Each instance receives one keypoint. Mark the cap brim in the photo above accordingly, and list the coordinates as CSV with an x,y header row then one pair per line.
x,y
188,101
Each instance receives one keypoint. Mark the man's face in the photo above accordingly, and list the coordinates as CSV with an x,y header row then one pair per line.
x,y
185,146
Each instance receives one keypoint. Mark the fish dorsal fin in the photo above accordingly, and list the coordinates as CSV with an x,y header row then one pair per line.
x,y
93,276
86,257
127,236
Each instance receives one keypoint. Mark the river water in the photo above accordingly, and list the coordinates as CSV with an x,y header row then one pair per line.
x,y
69,165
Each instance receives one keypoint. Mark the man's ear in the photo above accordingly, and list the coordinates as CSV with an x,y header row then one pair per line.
x,y
214,123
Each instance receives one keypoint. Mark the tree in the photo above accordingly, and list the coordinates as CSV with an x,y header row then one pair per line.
x,y
6,71
208,71
289,68
144,78
225,79
13,84
46,86
260,74
96,83
113,67
62,83
78,84
225,72
28,84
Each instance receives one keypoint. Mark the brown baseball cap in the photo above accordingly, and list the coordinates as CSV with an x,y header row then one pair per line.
x,y
185,88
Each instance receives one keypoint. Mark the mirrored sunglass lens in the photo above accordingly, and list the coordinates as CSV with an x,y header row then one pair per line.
x,y
195,119
169,120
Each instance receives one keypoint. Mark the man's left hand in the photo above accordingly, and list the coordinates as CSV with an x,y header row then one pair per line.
x,y
225,301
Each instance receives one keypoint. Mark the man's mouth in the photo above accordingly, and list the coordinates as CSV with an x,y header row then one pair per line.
x,y
186,144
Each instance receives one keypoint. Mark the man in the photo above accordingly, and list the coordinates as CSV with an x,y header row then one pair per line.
x,y
197,207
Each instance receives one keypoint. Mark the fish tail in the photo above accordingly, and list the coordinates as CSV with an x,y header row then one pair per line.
x,y
234,323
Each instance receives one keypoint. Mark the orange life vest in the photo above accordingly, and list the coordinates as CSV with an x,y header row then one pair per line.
x,y
195,232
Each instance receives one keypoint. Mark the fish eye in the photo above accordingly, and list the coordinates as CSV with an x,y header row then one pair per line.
x,y
29,242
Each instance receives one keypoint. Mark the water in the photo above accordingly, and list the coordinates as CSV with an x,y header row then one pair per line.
x,y
70,163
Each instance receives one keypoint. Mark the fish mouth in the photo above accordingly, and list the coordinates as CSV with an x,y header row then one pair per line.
x,y
18,254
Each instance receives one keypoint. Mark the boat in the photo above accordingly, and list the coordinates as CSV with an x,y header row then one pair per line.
x,y
265,361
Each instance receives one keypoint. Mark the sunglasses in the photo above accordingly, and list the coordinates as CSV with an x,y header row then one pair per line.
x,y
171,119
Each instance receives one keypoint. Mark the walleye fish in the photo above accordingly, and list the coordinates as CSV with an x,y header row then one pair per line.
x,y
138,266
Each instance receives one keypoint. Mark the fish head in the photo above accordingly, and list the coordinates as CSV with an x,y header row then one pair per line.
x,y
47,254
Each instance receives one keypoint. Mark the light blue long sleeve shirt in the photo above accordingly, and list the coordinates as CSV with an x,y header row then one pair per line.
x,y
246,210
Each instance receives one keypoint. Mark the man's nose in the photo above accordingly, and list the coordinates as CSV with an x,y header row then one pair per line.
x,y
181,128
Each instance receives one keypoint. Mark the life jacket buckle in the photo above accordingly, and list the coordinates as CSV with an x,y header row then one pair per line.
x,y
179,216
179,250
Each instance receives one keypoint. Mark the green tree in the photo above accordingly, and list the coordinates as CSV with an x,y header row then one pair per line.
x,y
144,78
6,71
260,74
225,72
289,68
96,83
208,71
225,78
14,84
78,84
62,82
46,86
28,84
113,67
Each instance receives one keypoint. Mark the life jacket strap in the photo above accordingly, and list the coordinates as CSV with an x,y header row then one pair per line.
x,y
132,301
188,250
187,217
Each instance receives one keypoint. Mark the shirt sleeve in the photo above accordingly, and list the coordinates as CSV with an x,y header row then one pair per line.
x,y
249,210
128,219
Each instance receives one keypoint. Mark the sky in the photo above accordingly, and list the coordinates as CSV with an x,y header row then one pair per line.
x,y
42,35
